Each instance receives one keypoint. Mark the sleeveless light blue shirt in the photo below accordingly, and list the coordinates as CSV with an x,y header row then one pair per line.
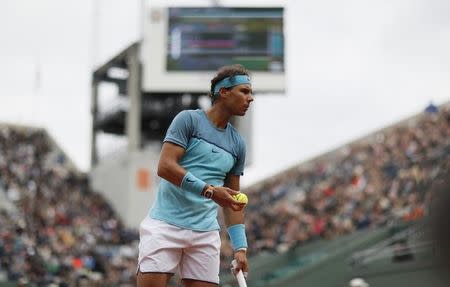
x,y
211,154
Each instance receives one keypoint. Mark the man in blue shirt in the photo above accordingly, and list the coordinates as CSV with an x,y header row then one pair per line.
x,y
201,162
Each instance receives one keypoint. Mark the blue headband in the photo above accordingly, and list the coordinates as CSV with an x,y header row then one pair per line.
x,y
231,82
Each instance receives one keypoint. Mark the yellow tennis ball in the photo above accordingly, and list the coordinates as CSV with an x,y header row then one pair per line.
x,y
241,197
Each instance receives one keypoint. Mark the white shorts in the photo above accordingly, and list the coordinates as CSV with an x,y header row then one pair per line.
x,y
166,248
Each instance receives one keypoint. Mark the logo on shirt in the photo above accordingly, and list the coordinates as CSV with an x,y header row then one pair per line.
x,y
215,151
189,180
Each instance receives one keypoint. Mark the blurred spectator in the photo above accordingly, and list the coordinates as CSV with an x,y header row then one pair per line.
x,y
377,181
55,230
53,233
431,108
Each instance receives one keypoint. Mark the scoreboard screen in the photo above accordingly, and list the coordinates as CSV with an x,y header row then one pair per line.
x,y
204,39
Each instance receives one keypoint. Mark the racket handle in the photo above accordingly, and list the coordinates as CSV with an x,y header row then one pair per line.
x,y
239,275
241,279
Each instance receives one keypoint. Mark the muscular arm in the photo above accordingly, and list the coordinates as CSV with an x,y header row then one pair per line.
x,y
168,166
231,216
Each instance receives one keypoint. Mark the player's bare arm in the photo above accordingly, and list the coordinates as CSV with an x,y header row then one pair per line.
x,y
234,217
168,166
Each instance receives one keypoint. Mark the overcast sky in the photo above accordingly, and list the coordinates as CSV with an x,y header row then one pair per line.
x,y
353,66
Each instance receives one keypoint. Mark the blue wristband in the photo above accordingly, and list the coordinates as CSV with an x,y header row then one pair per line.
x,y
192,183
237,236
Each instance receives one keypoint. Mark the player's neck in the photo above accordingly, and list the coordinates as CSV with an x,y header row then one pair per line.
x,y
219,117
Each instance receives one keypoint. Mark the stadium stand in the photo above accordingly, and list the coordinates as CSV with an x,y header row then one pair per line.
x,y
373,182
55,230
381,180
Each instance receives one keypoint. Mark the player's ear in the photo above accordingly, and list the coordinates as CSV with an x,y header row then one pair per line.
x,y
224,92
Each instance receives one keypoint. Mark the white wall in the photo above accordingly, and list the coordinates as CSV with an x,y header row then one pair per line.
x,y
116,178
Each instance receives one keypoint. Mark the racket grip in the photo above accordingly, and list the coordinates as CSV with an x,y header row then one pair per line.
x,y
241,279
239,275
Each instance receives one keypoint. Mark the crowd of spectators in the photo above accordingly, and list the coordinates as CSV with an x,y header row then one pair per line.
x,y
380,180
55,231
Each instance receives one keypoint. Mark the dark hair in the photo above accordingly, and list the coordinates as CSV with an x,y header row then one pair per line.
x,y
224,72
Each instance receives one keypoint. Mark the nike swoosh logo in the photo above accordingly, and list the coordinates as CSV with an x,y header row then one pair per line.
x,y
189,180
215,151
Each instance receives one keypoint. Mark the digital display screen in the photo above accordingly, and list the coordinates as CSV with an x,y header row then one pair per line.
x,y
204,39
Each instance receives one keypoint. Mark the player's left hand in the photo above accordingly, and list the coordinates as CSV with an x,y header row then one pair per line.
x,y
242,263
223,196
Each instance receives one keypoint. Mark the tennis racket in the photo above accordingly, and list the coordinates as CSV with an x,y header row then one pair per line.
x,y
239,275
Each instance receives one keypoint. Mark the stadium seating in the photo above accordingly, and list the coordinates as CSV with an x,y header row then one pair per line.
x,y
381,180
55,230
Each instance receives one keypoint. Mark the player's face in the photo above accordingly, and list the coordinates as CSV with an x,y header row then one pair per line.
x,y
240,98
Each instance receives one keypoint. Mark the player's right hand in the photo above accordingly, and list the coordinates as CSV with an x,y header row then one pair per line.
x,y
223,196
240,262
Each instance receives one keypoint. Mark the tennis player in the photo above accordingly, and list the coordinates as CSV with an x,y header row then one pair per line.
x,y
201,161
